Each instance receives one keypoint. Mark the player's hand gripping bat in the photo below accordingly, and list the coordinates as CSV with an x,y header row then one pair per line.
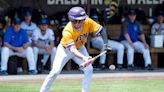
x,y
90,61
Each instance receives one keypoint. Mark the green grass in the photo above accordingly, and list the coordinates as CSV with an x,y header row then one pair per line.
x,y
96,86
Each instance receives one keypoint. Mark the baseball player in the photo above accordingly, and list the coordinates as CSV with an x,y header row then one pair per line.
x,y
158,26
131,31
28,25
72,46
43,42
97,42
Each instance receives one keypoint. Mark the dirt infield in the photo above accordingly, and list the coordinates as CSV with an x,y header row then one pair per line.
x,y
137,75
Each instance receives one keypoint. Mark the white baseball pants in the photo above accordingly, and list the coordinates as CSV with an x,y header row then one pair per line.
x,y
97,42
61,58
45,55
28,53
140,48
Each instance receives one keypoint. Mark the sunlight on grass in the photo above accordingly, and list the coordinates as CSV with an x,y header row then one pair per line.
x,y
96,86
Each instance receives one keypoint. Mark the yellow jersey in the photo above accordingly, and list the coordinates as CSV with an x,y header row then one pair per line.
x,y
78,38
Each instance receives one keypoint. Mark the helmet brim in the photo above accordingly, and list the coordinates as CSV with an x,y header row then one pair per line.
x,y
81,17
72,18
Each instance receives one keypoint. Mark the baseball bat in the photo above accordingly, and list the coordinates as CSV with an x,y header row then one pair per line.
x,y
92,59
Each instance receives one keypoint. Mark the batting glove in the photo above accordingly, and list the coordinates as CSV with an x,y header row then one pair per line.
x,y
107,48
88,61
86,58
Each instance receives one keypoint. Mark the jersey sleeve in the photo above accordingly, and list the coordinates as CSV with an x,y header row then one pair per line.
x,y
95,28
67,39
52,36
35,35
124,27
25,36
140,28
7,35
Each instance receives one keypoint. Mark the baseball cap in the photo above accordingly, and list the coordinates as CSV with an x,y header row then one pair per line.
x,y
63,24
131,12
160,13
17,21
28,13
43,21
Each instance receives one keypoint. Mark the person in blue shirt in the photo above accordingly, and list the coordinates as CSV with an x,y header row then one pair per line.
x,y
16,43
131,31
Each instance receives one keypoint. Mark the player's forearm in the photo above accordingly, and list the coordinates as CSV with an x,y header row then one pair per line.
x,y
104,35
76,52
26,45
153,31
127,37
9,46
52,44
39,45
142,38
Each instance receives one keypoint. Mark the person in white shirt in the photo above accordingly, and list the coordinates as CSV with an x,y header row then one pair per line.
x,y
158,26
43,42
28,25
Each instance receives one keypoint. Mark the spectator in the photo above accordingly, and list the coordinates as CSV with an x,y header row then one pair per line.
x,y
16,43
54,25
158,26
131,30
63,23
43,41
97,42
28,25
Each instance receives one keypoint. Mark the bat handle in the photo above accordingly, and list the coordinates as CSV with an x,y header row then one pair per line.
x,y
86,63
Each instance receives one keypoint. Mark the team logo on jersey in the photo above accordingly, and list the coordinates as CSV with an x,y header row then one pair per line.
x,y
135,28
12,36
85,35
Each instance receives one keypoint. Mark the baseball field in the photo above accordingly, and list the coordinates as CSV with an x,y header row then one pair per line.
x,y
101,82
